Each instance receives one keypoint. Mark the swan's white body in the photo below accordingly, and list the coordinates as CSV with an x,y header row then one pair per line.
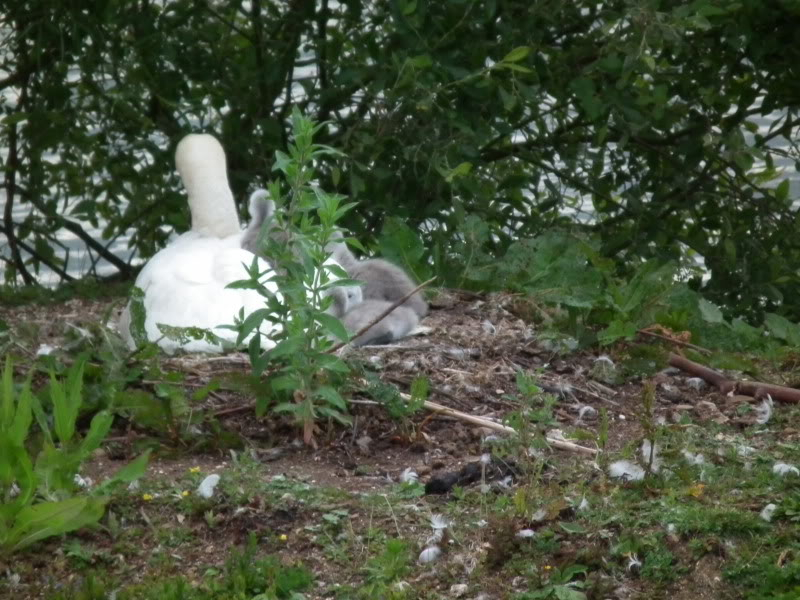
x,y
185,284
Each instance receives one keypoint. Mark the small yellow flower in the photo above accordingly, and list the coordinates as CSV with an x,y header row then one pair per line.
x,y
697,490
547,567
185,493
194,469
147,497
283,537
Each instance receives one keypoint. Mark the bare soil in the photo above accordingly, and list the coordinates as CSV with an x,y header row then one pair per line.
x,y
470,350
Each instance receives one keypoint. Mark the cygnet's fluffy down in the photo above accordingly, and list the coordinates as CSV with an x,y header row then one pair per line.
x,y
185,284
396,325
382,283
262,212
382,279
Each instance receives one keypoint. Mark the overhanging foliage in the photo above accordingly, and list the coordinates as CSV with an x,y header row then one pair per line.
x,y
519,115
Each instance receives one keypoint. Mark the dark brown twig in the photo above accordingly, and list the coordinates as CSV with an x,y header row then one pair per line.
x,y
718,380
746,388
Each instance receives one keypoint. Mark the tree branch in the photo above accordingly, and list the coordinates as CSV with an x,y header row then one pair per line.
x,y
41,258
12,167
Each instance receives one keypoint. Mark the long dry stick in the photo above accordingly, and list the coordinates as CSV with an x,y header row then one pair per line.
x,y
674,341
383,314
723,384
483,422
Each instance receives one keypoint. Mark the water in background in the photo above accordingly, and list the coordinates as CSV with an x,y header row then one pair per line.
x,y
80,259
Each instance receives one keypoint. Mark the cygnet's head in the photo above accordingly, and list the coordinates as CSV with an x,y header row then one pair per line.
x,y
344,297
340,252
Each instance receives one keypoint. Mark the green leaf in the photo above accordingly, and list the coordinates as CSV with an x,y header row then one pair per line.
x,y
423,61
8,393
98,430
251,323
332,397
574,528
515,67
332,325
41,419
783,329
63,418
47,519
710,312
517,54
130,472
563,592
586,93
782,191
23,414
615,331
16,467
409,7
461,170
138,315
419,390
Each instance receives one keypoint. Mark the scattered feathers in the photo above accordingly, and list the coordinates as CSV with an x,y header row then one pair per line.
x,y
206,487
626,470
784,469
764,410
767,512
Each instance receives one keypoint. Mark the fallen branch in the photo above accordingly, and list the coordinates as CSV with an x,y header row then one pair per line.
x,y
381,316
718,380
746,388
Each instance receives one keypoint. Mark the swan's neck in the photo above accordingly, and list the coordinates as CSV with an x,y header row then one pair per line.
x,y
200,160
212,206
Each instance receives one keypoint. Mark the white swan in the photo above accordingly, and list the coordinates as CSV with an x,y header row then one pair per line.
x,y
185,283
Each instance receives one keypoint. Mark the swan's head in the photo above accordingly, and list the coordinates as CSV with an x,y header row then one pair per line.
x,y
200,161
200,155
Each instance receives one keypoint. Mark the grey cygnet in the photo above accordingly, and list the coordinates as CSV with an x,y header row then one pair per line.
x,y
397,324
382,279
262,210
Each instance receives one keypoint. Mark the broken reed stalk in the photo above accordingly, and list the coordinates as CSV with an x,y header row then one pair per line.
x,y
483,422
695,347
381,316
724,385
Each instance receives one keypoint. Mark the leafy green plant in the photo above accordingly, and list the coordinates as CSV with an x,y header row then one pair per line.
x,y
385,569
304,374
559,585
39,498
245,575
